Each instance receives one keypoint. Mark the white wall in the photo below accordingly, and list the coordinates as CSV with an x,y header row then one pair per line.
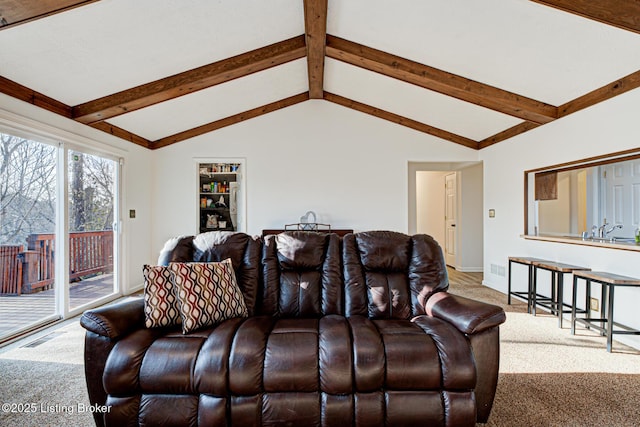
x,y
430,204
348,167
470,234
607,127
136,178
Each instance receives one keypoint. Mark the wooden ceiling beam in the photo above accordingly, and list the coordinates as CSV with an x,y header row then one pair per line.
x,y
315,24
625,84
122,133
508,133
401,120
190,81
23,93
16,12
623,14
440,81
228,121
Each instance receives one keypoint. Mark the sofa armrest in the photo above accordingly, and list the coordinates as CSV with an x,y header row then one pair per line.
x,y
116,320
467,315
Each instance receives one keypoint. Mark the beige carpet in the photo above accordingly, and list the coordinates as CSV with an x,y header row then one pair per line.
x,y
548,377
47,378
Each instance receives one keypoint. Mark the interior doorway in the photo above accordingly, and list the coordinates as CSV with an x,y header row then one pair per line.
x,y
459,232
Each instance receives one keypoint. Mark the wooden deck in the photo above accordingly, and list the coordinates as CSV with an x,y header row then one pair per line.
x,y
16,312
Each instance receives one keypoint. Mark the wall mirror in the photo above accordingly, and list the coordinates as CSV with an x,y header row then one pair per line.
x,y
596,199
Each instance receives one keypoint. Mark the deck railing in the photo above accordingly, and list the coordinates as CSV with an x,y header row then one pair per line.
x,y
10,269
33,269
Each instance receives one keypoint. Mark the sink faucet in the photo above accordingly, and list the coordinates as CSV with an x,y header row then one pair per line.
x,y
603,231
611,229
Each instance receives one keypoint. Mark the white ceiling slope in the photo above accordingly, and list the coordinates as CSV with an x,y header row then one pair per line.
x,y
112,45
515,45
519,46
216,102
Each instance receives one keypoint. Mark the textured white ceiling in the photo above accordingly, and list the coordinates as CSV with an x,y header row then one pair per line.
x,y
405,99
517,45
217,102
112,45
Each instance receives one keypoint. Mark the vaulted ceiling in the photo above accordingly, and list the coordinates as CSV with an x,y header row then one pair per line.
x,y
157,72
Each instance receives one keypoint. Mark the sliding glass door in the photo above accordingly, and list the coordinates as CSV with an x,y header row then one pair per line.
x,y
28,200
92,225
58,231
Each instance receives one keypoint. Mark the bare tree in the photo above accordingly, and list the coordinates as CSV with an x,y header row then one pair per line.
x,y
92,192
27,188
77,193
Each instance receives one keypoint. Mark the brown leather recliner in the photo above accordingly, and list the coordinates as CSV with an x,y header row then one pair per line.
x,y
355,331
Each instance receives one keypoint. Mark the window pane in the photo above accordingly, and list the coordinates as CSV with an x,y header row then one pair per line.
x,y
91,218
27,226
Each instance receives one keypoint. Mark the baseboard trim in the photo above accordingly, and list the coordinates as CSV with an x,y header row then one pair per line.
x,y
470,269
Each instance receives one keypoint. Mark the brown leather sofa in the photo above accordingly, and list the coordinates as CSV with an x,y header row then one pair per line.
x,y
357,331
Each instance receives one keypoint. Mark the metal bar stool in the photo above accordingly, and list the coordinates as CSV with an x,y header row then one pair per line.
x,y
523,295
555,303
605,324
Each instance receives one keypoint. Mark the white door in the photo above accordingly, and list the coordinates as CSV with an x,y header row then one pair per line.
x,y
622,199
450,219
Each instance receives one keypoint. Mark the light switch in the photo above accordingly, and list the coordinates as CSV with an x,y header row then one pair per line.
x,y
492,213
132,213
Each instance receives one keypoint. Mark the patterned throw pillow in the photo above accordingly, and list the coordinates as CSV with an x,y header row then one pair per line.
x,y
207,293
160,300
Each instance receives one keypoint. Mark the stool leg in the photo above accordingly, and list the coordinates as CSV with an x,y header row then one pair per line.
x,y
530,279
560,304
610,319
573,305
534,290
587,299
604,301
509,283
554,294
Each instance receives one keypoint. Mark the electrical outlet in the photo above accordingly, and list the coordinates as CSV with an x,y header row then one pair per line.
x,y
594,304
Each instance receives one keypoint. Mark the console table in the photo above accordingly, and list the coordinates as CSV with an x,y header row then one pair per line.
x,y
605,324
339,232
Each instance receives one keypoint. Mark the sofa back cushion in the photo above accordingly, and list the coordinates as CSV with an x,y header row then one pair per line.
x,y
244,252
302,274
391,275
176,249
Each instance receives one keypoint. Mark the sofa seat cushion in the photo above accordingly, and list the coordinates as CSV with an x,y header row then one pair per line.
x,y
270,371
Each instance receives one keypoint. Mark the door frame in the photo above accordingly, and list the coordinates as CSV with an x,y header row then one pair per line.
x,y
22,126
242,197
451,258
